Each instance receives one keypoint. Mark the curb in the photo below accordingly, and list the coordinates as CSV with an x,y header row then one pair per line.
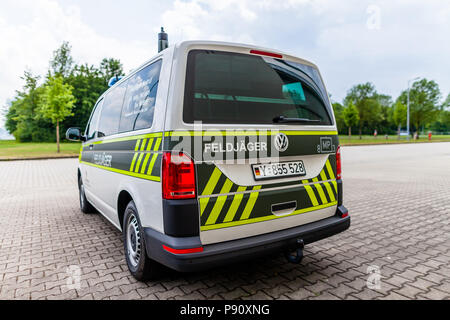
x,y
38,158
388,144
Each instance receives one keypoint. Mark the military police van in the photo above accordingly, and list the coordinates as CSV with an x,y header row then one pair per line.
x,y
211,153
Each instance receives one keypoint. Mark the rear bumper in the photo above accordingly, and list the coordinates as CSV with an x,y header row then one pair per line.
x,y
243,249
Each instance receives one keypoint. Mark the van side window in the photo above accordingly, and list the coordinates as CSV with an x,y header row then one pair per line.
x,y
91,129
112,107
139,106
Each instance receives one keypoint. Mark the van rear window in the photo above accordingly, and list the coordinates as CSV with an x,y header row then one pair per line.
x,y
225,87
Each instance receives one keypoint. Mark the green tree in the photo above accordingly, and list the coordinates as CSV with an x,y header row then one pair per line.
x,y
88,84
399,115
21,116
446,104
384,122
424,102
365,98
110,68
57,103
351,118
339,115
62,61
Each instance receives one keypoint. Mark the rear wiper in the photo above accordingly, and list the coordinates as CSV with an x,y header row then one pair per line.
x,y
283,119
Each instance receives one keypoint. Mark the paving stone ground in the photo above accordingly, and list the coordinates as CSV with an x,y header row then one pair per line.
x,y
398,197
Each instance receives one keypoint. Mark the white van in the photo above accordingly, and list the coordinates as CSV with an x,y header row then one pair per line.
x,y
214,152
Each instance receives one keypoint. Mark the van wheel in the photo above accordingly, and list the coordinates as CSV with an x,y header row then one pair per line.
x,y
139,264
85,206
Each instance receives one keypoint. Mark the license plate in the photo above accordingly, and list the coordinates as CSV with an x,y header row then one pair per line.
x,y
279,170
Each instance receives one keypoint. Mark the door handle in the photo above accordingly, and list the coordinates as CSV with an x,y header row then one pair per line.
x,y
91,147
282,209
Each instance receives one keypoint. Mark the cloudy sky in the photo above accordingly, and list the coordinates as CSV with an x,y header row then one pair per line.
x,y
352,41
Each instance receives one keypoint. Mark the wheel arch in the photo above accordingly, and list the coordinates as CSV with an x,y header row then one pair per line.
x,y
78,177
122,201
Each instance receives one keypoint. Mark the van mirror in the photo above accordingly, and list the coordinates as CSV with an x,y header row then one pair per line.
x,y
74,134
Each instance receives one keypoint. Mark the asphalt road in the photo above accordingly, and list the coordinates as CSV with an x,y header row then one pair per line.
x,y
398,196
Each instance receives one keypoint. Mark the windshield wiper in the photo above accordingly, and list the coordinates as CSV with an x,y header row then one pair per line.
x,y
283,119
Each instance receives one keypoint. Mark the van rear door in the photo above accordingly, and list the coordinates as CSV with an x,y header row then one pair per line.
x,y
264,142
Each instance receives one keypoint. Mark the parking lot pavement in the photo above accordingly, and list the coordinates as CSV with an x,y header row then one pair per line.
x,y
398,196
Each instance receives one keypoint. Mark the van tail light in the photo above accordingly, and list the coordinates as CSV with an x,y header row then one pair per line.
x,y
338,164
178,176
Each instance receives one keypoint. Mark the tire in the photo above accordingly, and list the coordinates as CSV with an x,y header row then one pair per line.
x,y
140,265
85,206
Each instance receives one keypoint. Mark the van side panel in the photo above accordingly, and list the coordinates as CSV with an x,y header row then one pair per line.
x,y
123,164
131,161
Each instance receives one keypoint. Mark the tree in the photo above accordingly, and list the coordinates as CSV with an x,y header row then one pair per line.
x,y
424,102
446,104
110,68
399,115
365,98
21,116
351,118
339,115
88,82
57,103
62,62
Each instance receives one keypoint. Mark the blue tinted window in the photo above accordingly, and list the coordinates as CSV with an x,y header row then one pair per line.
x,y
112,107
139,106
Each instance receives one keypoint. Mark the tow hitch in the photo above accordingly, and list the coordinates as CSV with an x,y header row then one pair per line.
x,y
296,255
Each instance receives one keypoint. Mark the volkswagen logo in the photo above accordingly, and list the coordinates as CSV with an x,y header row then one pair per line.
x,y
281,142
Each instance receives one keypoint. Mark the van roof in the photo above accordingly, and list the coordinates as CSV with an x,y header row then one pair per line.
x,y
232,45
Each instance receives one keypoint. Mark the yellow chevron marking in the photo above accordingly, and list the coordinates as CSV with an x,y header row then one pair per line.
x,y
334,183
133,162
311,194
203,204
209,188
320,190
141,156
235,205
250,203
265,218
150,144
330,170
144,142
136,148
144,165
157,144
138,142
331,175
138,164
327,186
220,201
152,164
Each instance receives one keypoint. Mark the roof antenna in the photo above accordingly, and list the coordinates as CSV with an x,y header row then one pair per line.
x,y
163,40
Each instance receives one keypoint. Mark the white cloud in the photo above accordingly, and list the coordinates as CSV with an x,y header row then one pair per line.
x,y
30,44
386,42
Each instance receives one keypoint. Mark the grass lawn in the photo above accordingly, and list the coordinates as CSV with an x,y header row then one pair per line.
x,y
16,150
345,141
